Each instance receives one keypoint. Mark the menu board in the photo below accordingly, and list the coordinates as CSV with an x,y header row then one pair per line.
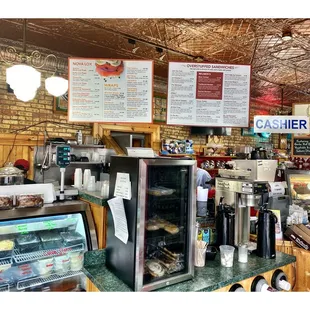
x,y
106,90
205,94
301,146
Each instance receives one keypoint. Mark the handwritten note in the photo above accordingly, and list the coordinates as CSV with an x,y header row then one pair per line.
x,y
301,146
119,218
122,186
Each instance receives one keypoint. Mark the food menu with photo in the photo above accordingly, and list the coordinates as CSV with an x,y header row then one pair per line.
x,y
106,90
205,94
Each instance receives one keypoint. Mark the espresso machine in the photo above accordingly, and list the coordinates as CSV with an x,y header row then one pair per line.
x,y
243,188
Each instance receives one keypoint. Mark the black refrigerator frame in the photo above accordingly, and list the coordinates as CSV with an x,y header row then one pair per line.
x,y
127,260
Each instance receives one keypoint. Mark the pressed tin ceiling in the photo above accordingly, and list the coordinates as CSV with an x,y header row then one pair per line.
x,y
258,42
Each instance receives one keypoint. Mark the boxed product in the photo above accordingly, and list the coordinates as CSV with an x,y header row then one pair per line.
x,y
22,272
71,238
76,260
5,274
298,236
6,248
6,202
29,201
50,240
28,243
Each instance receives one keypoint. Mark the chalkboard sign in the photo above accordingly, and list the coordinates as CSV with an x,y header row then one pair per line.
x,y
301,146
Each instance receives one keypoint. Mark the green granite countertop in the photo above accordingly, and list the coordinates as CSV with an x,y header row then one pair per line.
x,y
93,197
206,279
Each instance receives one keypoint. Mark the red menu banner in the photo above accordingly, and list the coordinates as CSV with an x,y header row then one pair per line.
x,y
106,90
208,94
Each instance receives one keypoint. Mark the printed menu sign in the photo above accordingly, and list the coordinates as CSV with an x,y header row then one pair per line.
x,y
203,94
105,90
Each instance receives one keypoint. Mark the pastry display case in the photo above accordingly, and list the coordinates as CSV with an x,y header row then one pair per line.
x,y
42,249
160,218
298,182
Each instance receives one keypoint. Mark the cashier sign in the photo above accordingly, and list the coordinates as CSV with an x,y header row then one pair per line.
x,y
281,124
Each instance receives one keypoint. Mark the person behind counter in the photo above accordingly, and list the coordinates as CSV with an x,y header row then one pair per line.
x,y
203,177
23,165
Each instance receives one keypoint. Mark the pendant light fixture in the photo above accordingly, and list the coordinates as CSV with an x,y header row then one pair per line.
x,y
25,80
56,85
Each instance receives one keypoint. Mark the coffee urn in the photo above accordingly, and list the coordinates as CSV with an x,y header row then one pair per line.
x,y
266,233
225,224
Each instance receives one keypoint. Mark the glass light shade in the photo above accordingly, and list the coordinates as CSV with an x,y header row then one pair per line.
x,y
25,94
56,85
23,76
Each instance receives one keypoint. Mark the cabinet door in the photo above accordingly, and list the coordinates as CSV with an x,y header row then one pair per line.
x,y
169,212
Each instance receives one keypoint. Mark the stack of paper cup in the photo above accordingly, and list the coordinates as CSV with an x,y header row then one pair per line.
x,y
86,176
202,201
91,184
78,176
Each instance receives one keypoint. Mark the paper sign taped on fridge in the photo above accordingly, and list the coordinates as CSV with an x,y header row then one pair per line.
x,y
122,186
119,218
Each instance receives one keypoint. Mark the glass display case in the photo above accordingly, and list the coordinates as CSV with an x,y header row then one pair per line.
x,y
43,250
298,182
160,217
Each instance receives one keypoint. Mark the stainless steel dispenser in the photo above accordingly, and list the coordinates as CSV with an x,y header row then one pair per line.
x,y
242,195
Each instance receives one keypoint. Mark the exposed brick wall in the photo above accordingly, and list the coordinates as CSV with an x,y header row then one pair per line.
x,y
15,114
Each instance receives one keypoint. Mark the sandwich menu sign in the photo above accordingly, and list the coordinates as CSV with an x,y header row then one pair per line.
x,y
206,94
106,90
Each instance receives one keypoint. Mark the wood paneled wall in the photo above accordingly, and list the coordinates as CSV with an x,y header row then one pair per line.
x,y
13,147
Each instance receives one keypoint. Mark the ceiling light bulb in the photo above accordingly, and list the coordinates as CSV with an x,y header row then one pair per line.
x,y
22,75
56,85
286,36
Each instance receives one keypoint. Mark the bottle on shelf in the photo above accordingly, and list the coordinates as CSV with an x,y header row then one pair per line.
x,y
279,281
79,137
260,284
237,288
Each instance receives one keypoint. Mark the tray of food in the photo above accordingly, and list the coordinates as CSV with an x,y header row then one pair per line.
x,y
160,191
28,243
6,248
50,240
71,238
6,202
29,201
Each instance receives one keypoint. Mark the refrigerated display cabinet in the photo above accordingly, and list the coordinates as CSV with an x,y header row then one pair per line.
x,y
161,220
298,182
43,249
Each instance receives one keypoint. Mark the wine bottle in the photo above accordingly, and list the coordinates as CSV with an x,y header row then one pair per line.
x,y
279,281
260,284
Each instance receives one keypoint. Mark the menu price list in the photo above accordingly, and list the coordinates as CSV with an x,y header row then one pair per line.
x,y
208,94
103,90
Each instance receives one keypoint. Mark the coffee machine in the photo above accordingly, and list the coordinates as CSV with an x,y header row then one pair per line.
x,y
243,188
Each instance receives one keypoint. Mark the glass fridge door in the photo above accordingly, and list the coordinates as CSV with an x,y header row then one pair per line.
x,y
169,210
36,253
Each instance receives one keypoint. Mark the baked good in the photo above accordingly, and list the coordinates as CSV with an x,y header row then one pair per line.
x,y
155,268
171,228
25,201
152,225
6,202
161,223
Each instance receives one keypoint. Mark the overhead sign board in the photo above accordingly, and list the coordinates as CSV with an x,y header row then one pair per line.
x,y
281,124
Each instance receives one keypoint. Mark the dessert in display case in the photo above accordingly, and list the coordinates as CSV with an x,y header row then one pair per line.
x,y
42,249
160,218
298,182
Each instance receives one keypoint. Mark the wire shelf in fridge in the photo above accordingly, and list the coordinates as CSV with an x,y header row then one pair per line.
x,y
5,261
23,284
5,288
31,256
